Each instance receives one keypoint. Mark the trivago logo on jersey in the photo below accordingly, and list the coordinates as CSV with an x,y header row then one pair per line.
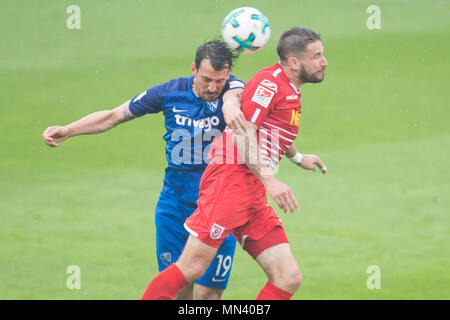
x,y
205,123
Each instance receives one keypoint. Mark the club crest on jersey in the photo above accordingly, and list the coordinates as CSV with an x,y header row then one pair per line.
x,y
216,231
263,96
212,105
166,258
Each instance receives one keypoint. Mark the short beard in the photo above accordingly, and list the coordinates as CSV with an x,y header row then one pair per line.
x,y
305,77
208,99
201,95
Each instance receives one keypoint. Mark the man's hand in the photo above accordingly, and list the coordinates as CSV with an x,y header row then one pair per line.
x,y
234,117
232,114
93,123
281,194
52,136
310,160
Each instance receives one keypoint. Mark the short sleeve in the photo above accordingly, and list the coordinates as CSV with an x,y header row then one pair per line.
x,y
258,98
149,101
234,83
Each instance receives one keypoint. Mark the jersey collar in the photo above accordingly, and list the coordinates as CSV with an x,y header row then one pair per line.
x,y
287,80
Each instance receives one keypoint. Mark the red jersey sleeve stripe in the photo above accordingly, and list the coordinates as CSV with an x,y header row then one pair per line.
x,y
255,115
274,126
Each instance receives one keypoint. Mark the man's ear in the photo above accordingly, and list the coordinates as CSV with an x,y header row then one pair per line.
x,y
294,63
193,69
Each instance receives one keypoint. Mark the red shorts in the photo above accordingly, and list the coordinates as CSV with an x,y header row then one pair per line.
x,y
231,199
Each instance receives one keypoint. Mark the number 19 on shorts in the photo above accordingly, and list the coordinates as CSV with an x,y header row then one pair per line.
x,y
223,266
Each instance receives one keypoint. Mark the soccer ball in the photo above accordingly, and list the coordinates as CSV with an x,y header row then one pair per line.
x,y
246,29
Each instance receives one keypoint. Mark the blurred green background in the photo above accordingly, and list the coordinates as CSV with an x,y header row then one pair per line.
x,y
379,121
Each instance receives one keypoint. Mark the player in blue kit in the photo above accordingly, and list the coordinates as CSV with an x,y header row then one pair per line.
x,y
196,109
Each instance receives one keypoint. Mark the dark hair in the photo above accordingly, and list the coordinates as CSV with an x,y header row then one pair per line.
x,y
218,53
294,41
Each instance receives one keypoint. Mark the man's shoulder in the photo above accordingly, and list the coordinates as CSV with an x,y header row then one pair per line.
x,y
174,85
268,77
270,71
235,82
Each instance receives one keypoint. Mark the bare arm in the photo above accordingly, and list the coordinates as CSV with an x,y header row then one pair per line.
x,y
234,118
96,122
292,151
308,161
247,145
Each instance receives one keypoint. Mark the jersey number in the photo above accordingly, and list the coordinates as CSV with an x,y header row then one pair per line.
x,y
224,264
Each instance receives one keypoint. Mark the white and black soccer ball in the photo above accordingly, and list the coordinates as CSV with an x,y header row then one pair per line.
x,y
246,29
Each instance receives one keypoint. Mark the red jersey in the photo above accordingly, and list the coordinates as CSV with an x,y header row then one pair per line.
x,y
272,102
232,198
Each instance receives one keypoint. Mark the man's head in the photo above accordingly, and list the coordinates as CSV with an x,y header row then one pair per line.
x,y
211,69
301,51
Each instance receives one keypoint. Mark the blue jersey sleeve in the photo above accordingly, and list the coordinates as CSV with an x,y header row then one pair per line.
x,y
233,83
152,99
149,101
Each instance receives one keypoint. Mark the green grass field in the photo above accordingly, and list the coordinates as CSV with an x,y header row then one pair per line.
x,y
379,121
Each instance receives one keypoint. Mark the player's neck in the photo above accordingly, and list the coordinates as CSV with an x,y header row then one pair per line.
x,y
194,89
292,76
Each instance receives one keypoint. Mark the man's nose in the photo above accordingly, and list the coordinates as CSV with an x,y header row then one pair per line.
x,y
212,87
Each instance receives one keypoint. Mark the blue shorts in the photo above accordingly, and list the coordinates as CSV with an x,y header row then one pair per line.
x,y
171,237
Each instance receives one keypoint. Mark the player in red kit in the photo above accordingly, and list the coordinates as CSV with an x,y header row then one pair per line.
x,y
232,196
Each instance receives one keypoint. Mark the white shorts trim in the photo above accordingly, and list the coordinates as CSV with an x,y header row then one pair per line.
x,y
192,232
243,240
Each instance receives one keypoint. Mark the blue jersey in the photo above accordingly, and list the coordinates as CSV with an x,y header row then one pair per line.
x,y
191,124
